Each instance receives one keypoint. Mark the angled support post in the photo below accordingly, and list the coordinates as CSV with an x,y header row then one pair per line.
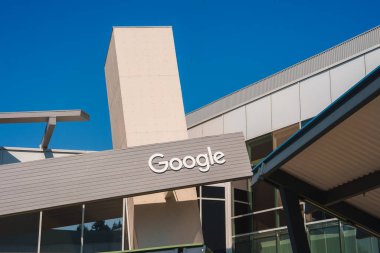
x,y
48,132
295,222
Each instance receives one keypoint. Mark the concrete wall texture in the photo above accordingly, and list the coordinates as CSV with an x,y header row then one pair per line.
x,y
145,104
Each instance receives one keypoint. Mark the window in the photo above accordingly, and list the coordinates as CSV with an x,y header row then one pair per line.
x,y
213,225
19,233
103,226
61,230
259,148
212,208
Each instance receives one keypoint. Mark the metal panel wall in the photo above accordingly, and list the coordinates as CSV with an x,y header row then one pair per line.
x,y
195,132
345,76
213,127
372,60
285,107
314,95
118,173
259,117
235,121
336,55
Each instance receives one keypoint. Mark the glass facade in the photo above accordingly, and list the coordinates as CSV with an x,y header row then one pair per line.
x,y
256,218
324,236
103,226
61,230
212,209
19,233
89,228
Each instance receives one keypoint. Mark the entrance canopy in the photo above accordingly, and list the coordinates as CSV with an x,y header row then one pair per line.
x,y
56,182
333,162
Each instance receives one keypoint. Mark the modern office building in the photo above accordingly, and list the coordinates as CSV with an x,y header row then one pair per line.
x,y
173,179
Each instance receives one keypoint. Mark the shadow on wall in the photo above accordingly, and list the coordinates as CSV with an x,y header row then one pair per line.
x,y
8,157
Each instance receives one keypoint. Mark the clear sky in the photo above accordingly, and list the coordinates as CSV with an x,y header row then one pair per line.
x,y
52,53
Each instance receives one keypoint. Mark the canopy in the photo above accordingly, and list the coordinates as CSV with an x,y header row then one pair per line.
x,y
333,162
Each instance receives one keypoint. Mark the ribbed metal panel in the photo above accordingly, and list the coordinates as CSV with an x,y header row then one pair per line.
x,y
368,202
349,151
109,174
333,56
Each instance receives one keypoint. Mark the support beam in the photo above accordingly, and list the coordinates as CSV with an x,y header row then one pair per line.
x,y
295,222
317,197
48,132
43,116
353,188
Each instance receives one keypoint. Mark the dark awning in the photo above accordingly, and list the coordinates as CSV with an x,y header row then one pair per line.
x,y
333,162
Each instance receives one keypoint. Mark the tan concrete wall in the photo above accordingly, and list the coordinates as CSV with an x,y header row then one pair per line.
x,y
181,228
114,98
145,103
143,87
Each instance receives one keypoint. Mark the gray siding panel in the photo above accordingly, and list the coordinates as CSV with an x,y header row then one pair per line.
x,y
327,59
63,181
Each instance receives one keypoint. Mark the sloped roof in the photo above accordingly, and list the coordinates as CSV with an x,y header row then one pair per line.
x,y
334,161
345,51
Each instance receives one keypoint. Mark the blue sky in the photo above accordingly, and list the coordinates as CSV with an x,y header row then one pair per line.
x,y
52,53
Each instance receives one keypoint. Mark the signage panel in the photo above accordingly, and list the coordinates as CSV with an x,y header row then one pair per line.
x,y
130,172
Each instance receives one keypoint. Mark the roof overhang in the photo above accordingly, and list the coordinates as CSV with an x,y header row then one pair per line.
x,y
55,182
334,161
50,117
43,116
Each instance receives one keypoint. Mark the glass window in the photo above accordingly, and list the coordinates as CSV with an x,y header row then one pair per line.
x,y
259,148
61,230
284,244
324,237
357,241
103,226
212,192
19,233
213,225
243,225
282,135
242,244
263,196
241,208
242,195
265,245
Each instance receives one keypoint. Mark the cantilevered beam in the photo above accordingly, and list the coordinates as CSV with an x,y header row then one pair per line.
x,y
317,197
50,117
48,132
43,116
353,188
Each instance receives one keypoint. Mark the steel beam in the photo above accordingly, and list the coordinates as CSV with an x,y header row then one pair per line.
x,y
48,132
295,222
43,116
317,197
353,188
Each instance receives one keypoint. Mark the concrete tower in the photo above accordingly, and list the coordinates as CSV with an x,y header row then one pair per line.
x,y
145,105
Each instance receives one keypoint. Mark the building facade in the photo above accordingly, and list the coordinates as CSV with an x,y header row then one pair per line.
x,y
229,216
268,112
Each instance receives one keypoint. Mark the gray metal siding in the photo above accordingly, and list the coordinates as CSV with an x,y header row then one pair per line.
x,y
331,57
109,174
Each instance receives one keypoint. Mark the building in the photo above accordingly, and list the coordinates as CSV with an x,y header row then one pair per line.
x,y
110,200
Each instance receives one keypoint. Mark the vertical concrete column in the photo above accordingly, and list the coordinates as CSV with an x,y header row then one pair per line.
x,y
145,105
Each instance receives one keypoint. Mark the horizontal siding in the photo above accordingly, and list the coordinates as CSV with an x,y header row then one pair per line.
x,y
84,178
327,59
